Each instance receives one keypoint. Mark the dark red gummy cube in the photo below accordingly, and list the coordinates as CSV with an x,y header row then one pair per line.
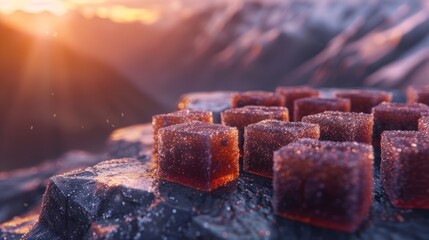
x,y
327,184
343,126
364,100
404,168
241,117
424,123
215,102
256,98
290,94
396,116
418,95
263,138
178,117
313,105
198,155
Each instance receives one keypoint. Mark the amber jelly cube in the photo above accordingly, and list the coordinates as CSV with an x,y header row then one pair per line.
x,y
290,94
424,123
263,138
327,184
241,117
396,116
418,95
198,155
364,100
215,102
404,168
178,117
313,105
256,98
343,126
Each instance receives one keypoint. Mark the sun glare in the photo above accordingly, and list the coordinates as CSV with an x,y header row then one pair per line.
x,y
88,8
56,7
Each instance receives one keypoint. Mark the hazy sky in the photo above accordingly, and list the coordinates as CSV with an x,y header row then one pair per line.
x,y
147,11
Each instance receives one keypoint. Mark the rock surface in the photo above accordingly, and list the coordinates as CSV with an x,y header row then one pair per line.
x,y
122,199
134,141
22,190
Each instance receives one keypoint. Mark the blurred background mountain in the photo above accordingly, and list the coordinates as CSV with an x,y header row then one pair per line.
x,y
73,71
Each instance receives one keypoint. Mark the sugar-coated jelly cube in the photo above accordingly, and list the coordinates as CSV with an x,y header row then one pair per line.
x,y
418,95
178,117
241,117
313,105
263,138
404,168
396,116
198,155
256,98
290,94
364,100
215,102
327,184
343,126
424,123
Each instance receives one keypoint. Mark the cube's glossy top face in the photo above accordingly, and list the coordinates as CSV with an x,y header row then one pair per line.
x,y
400,108
294,128
199,128
241,117
375,95
424,123
334,117
297,90
259,98
343,153
319,101
392,135
181,116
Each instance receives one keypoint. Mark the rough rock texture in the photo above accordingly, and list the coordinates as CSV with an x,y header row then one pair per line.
x,y
120,199
134,141
22,190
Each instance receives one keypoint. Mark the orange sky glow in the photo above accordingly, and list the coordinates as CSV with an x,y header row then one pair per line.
x,y
89,8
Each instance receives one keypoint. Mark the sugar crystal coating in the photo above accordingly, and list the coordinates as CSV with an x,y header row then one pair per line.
x,y
424,123
396,116
241,117
343,126
404,168
256,98
418,95
313,105
178,117
198,155
290,94
263,138
215,102
327,184
364,100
